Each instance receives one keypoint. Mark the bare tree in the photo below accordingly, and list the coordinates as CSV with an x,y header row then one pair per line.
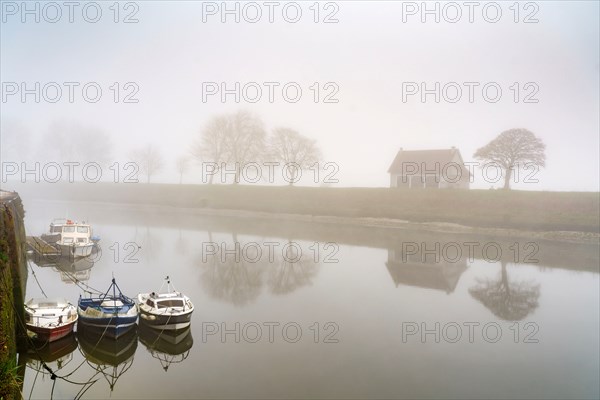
x,y
228,139
295,151
246,143
211,146
148,159
182,166
511,149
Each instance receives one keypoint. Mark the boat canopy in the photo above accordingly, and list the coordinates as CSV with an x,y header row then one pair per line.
x,y
58,302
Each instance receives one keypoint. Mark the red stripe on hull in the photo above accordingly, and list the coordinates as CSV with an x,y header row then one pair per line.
x,y
52,334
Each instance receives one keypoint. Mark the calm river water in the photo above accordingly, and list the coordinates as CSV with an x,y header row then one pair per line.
x,y
360,313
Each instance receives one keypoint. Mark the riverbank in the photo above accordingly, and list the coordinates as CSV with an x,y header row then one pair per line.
x,y
12,261
549,215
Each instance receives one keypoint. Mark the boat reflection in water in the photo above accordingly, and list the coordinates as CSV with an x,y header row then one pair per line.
x,y
72,271
109,357
169,347
56,354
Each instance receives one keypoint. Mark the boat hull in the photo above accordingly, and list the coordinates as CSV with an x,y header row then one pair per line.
x,y
166,321
51,334
76,251
113,327
112,316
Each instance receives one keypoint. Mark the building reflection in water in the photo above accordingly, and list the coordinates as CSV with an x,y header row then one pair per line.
x,y
415,266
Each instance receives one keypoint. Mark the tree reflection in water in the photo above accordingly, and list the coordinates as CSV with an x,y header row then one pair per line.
x,y
241,281
235,281
291,272
511,301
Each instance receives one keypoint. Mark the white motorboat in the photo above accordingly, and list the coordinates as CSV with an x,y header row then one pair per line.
x,y
50,319
76,239
170,310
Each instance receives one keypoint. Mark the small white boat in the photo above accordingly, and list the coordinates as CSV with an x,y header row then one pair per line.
x,y
170,310
50,319
76,239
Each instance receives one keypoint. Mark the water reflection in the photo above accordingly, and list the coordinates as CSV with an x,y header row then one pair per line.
x,y
169,347
508,300
230,278
109,357
377,285
291,271
416,268
236,270
181,245
71,270
426,265
74,271
57,354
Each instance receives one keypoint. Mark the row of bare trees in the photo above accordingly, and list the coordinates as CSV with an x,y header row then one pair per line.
x,y
232,140
235,140
240,138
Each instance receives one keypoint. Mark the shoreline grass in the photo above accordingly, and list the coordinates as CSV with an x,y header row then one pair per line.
x,y
510,209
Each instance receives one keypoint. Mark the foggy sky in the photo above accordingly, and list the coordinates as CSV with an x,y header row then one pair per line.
x,y
369,53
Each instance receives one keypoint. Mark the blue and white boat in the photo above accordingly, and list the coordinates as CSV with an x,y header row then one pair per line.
x,y
112,313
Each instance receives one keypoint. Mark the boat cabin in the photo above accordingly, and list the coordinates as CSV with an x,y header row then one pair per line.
x,y
76,233
166,300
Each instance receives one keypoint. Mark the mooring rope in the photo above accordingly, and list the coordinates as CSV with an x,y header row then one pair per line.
x,y
53,375
36,279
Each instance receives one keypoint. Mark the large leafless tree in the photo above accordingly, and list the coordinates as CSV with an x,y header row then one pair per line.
x,y
233,140
211,146
246,141
511,149
295,151
148,159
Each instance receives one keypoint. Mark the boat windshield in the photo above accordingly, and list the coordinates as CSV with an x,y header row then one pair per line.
x,y
48,304
112,303
68,229
170,303
82,229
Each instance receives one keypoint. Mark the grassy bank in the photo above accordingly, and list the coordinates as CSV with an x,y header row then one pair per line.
x,y
535,211
12,260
